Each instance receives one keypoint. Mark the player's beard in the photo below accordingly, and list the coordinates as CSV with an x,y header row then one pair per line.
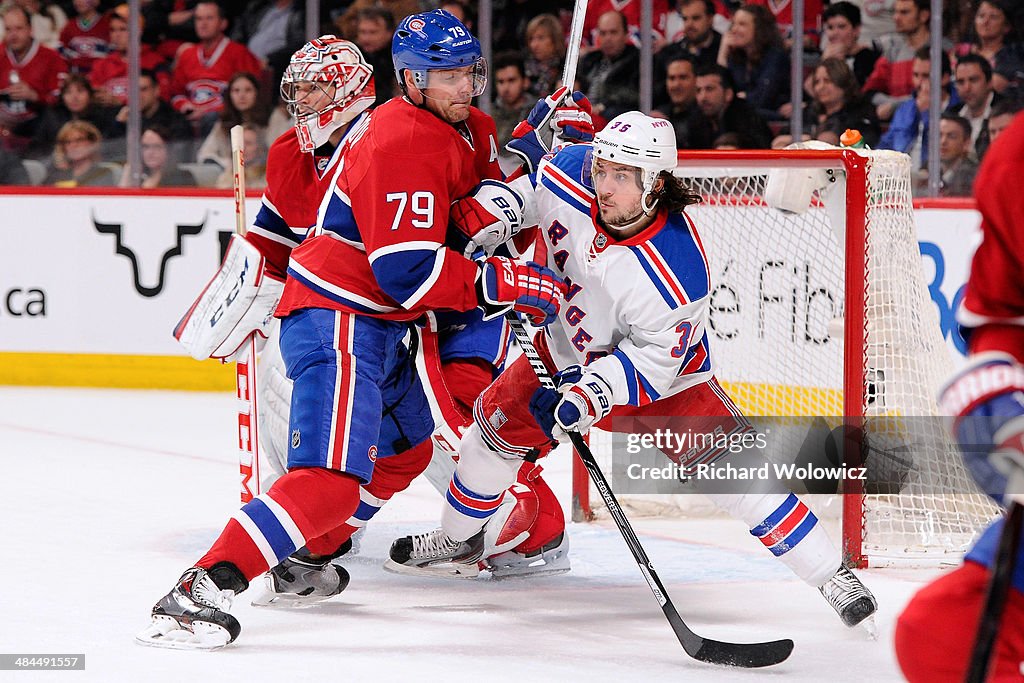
x,y
619,218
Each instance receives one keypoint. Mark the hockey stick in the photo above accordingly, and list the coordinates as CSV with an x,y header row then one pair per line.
x,y
245,366
998,588
572,51
749,655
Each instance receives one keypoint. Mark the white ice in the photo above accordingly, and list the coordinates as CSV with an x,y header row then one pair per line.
x,y
107,496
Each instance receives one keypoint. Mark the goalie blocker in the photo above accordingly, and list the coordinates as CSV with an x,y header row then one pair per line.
x,y
238,301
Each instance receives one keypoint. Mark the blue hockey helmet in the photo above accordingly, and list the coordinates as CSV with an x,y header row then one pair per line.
x,y
432,41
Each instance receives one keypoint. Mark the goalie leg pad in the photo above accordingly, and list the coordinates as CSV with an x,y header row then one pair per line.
x,y
239,300
275,395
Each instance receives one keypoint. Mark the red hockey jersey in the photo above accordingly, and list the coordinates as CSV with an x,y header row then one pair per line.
x,y
111,73
631,10
994,301
41,68
200,78
296,183
83,43
378,248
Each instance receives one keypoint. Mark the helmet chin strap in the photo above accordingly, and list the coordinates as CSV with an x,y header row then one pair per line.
x,y
630,223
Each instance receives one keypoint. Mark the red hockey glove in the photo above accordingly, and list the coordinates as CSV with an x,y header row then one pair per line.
x,y
530,289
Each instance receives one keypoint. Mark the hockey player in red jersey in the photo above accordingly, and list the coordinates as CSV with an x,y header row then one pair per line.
x,y
936,631
376,260
459,354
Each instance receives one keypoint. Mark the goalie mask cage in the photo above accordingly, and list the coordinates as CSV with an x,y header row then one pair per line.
x,y
826,313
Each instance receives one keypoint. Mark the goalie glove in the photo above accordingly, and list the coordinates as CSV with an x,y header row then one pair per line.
x,y
559,117
238,301
582,398
985,400
532,289
490,216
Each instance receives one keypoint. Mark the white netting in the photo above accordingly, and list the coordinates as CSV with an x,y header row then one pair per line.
x,y
778,305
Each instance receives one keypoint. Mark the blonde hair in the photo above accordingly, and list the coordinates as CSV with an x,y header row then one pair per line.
x,y
552,26
84,128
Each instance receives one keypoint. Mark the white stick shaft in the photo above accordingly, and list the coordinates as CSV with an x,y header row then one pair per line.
x,y
238,169
245,375
572,52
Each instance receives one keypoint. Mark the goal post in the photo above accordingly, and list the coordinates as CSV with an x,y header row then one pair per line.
x,y
825,315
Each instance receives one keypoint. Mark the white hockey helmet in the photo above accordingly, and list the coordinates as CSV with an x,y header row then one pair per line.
x,y
641,141
337,68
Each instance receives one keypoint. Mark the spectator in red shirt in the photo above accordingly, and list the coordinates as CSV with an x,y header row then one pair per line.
x,y
30,75
890,82
109,76
783,12
83,40
203,70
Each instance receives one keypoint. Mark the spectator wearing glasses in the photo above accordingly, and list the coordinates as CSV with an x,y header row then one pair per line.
x,y
159,166
76,158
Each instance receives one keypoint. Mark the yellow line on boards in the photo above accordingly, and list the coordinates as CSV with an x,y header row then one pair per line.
x,y
115,371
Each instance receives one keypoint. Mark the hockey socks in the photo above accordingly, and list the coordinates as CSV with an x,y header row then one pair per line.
x,y
788,529
302,504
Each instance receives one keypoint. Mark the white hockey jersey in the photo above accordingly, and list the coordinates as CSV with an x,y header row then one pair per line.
x,y
636,310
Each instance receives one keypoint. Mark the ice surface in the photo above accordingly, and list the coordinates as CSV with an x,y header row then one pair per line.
x,y
107,496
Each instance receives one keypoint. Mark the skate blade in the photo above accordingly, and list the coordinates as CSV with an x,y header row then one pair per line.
x,y
870,627
449,570
166,632
500,574
276,601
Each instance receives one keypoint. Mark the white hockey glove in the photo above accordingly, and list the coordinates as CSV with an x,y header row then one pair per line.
x,y
489,216
582,399
239,300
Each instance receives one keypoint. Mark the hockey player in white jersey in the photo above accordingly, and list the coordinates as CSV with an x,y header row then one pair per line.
x,y
629,340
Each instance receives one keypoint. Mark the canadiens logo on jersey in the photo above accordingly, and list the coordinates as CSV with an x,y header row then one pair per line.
x,y
206,91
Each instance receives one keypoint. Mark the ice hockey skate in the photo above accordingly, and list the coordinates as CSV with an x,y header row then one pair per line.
x,y
850,598
550,559
301,581
434,553
193,616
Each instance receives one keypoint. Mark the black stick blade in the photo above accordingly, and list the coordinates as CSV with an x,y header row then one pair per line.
x,y
746,655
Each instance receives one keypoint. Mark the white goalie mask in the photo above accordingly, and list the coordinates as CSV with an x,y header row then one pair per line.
x,y
644,142
327,84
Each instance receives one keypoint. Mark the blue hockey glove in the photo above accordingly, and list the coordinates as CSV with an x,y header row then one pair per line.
x,y
531,289
986,402
559,117
582,398
542,407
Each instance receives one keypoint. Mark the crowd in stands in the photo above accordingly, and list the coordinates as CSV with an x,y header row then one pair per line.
x,y
721,76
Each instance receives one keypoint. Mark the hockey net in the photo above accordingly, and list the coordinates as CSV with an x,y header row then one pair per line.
x,y
814,319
